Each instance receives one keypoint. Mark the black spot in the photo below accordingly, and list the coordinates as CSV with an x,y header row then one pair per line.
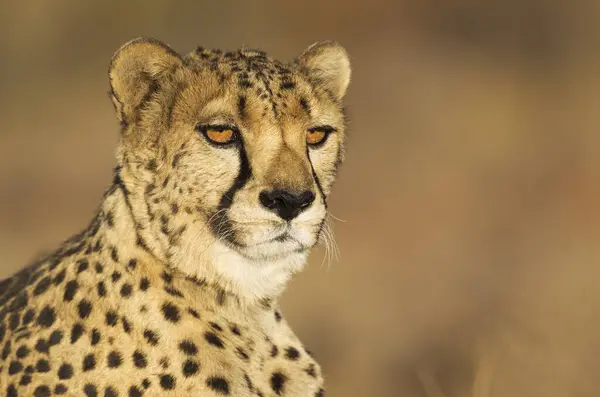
x,y
82,266
60,277
14,321
135,392
188,347
171,312
194,313
274,351
70,290
42,286
215,326
101,289
114,254
89,362
22,352
218,384
29,369
248,382
65,371
111,318
12,391
236,331
3,331
25,380
291,353
132,264
76,332
114,359
221,297
166,277
311,371
95,336
126,325
152,165
144,284
213,339
126,290
15,367
176,159
84,308
146,383
320,393
288,85
27,318
167,382
278,382
151,337
305,105
46,317
42,346
139,359
6,350
41,391
19,302
55,337
110,219
110,392
242,354
190,368
277,316
60,389
242,106
99,267
174,292
164,362
116,276
42,366
90,390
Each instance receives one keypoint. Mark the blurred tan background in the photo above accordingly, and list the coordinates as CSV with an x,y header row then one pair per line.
x,y
470,247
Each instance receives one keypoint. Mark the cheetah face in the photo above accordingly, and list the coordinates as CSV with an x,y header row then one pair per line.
x,y
250,144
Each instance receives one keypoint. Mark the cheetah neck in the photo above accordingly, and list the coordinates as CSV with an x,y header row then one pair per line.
x,y
194,251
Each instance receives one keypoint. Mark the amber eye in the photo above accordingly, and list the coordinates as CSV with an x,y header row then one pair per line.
x,y
219,134
318,135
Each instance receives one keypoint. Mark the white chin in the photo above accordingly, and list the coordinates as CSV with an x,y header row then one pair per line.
x,y
273,250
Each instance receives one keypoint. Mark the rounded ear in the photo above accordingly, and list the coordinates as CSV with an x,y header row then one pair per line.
x,y
136,71
328,63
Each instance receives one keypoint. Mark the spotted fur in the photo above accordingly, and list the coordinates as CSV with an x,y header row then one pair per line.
x,y
172,289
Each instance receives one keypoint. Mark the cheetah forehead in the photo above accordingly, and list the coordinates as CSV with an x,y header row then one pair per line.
x,y
249,69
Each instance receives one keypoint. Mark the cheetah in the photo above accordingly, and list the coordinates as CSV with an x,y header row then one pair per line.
x,y
224,164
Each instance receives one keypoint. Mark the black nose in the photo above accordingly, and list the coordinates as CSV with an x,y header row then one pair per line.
x,y
285,204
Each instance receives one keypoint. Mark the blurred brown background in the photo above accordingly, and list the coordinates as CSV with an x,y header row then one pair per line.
x,y
470,196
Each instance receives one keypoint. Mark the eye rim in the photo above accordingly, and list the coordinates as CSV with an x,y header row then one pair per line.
x,y
326,129
235,137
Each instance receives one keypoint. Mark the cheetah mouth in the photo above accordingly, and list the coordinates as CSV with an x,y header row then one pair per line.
x,y
265,240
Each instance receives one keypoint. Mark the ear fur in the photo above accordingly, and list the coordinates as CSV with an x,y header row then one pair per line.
x,y
328,63
136,70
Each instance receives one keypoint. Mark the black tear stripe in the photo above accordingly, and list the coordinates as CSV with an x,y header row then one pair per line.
x,y
318,182
221,222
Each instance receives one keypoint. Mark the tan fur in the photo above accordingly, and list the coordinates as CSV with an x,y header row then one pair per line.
x,y
172,290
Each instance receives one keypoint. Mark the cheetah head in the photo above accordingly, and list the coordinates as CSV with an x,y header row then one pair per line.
x,y
230,157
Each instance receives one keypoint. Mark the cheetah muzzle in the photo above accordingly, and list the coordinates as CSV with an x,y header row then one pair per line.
x,y
224,166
